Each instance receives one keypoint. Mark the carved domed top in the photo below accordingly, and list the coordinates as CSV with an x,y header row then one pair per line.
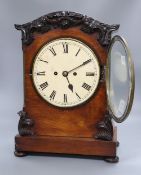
x,y
64,20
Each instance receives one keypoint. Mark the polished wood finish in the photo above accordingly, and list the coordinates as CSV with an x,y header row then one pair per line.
x,y
73,122
66,145
63,130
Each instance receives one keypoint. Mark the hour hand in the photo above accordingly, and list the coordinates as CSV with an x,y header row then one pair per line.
x,y
70,86
65,74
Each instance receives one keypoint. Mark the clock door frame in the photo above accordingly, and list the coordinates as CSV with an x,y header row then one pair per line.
x,y
46,128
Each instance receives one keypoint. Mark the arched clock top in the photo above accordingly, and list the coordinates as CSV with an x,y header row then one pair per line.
x,y
65,20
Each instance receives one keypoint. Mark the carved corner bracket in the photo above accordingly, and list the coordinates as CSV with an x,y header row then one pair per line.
x,y
25,124
105,129
65,20
104,30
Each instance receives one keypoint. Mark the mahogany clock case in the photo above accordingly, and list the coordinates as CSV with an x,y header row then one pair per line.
x,y
86,129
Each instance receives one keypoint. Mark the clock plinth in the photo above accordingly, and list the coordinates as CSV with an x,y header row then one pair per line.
x,y
66,145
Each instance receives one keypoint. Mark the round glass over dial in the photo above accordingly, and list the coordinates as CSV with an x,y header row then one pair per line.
x,y
120,79
66,72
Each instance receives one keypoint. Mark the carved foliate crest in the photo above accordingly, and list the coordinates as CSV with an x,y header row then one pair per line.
x,y
65,20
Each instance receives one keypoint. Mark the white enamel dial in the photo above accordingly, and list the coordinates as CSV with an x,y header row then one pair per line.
x,y
66,72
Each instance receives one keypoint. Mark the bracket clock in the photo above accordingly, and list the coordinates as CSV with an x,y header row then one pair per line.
x,y
77,78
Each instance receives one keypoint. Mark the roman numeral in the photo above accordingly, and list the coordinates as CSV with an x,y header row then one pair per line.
x,y
44,85
86,86
89,73
43,60
65,47
77,52
65,98
52,51
41,73
52,95
78,96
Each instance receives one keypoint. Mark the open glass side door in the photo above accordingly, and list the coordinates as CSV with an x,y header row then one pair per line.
x,y
120,79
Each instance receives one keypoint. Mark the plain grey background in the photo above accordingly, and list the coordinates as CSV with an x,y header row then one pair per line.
x,y
127,13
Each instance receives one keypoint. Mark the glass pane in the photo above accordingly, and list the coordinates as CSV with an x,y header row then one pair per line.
x,y
119,79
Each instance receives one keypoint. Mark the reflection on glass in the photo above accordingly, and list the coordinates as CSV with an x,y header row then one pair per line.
x,y
119,86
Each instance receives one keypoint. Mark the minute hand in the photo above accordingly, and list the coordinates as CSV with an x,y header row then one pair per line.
x,y
84,63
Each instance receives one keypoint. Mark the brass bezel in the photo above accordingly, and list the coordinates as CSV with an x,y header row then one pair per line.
x,y
132,80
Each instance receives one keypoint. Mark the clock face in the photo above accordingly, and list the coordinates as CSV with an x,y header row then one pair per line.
x,y
66,72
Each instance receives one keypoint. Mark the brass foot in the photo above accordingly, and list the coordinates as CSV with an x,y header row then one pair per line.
x,y
20,154
112,159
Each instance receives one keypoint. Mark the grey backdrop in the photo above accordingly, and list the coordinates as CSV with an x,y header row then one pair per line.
x,y
127,13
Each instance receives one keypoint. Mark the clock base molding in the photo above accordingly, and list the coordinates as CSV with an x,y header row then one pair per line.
x,y
66,145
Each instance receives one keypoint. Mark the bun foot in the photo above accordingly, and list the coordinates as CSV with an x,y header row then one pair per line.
x,y
112,159
117,143
20,154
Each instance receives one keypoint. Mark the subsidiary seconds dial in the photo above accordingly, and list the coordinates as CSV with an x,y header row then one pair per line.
x,y
66,72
